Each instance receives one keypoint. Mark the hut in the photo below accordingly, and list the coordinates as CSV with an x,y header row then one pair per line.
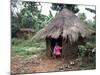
x,y
67,30
25,33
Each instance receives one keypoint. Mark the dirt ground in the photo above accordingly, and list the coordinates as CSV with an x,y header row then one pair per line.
x,y
41,63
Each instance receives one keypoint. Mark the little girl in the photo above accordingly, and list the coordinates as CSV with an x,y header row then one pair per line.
x,y
57,50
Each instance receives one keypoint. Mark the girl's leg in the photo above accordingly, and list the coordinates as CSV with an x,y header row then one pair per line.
x,y
54,56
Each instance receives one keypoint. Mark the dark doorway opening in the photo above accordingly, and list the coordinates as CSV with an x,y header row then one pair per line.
x,y
54,41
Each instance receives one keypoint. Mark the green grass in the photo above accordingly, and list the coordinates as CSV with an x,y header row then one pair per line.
x,y
86,66
26,47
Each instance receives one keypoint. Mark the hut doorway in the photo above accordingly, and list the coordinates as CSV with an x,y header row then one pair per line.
x,y
57,41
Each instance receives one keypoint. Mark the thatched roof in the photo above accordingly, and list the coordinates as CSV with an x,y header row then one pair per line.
x,y
65,24
27,30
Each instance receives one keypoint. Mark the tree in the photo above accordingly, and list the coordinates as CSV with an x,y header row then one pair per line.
x,y
14,17
91,10
59,7
88,48
93,23
46,19
30,14
29,17
82,16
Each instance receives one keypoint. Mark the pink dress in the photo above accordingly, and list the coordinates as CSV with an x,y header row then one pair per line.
x,y
57,50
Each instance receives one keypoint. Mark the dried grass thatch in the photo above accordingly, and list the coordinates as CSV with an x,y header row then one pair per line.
x,y
65,24
27,30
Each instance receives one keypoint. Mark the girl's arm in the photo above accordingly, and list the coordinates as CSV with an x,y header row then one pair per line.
x,y
60,47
